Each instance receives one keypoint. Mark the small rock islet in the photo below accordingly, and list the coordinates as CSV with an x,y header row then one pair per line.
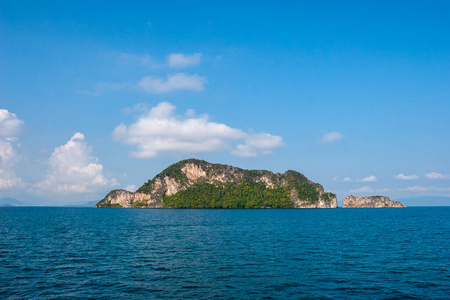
x,y
370,202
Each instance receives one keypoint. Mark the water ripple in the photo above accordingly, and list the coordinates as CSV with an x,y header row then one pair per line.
x,y
79,253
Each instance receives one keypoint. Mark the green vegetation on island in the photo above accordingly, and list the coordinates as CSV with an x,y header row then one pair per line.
x,y
231,195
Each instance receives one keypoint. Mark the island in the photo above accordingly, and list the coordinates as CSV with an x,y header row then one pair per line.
x,y
194,183
370,202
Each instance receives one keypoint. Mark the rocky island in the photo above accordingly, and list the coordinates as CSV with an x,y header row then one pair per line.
x,y
194,183
370,202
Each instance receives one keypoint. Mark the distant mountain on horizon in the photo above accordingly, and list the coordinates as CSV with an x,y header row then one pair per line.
x,y
11,202
14,202
425,201
82,204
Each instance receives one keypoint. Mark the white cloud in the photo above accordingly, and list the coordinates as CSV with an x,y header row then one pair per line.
x,y
190,113
371,178
180,60
363,189
419,188
255,144
174,60
406,177
155,84
8,154
131,188
160,130
10,128
331,137
10,125
347,179
179,81
416,188
140,107
435,175
71,170
335,178
8,183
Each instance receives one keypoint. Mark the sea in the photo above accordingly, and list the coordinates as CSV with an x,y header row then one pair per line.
x,y
107,253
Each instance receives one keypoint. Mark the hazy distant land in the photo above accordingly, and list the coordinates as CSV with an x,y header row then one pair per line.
x,y
425,201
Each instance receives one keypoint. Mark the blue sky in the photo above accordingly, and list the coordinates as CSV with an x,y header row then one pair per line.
x,y
97,95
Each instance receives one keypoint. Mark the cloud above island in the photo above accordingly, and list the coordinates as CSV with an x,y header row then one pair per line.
x,y
256,144
370,178
72,170
406,177
435,175
161,130
179,81
173,60
364,189
180,60
331,137
434,189
155,83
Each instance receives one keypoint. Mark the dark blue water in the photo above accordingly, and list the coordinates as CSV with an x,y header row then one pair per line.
x,y
241,254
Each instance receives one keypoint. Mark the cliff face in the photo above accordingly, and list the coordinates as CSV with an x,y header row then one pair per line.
x,y
370,202
123,198
197,183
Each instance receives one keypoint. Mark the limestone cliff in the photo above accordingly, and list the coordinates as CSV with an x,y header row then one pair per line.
x,y
123,198
197,184
370,202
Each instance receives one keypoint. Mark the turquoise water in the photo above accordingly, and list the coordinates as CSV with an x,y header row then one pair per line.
x,y
241,254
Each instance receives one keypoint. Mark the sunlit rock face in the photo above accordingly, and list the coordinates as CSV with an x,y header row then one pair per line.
x,y
193,171
123,198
